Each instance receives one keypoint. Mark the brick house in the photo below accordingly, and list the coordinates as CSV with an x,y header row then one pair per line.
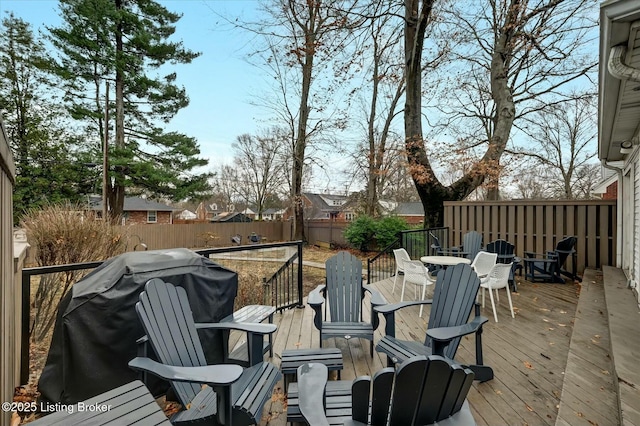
x,y
413,213
328,206
207,210
138,210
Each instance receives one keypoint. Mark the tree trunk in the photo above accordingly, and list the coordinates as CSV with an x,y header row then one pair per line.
x,y
116,187
430,190
301,137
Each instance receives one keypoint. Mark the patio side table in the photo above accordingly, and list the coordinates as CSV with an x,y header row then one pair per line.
x,y
250,314
294,358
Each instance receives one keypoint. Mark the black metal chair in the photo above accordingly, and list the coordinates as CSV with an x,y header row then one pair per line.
x,y
421,391
167,319
344,293
454,298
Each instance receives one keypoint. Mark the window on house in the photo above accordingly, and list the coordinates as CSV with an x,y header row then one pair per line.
x,y
152,216
349,216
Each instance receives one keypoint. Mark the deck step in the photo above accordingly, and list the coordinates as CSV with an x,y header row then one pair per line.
x,y
588,389
624,326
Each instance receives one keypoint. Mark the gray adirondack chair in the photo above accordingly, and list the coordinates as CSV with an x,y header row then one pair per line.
x,y
471,244
453,300
422,391
129,404
235,395
344,293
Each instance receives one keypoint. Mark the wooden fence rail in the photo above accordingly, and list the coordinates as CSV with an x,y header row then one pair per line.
x,y
537,226
10,266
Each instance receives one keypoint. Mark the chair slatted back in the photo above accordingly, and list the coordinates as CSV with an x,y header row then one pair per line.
x,y
344,287
166,317
422,391
472,244
564,248
502,248
454,296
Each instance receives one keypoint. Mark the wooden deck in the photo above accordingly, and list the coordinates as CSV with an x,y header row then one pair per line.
x,y
528,354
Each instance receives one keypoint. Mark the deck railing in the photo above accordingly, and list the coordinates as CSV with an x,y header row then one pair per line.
x,y
416,242
284,287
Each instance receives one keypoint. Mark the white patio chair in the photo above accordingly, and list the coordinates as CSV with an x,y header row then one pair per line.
x,y
498,278
483,262
416,273
401,256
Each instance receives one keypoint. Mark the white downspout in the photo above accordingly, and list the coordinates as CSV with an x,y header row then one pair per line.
x,y
618,68
619,210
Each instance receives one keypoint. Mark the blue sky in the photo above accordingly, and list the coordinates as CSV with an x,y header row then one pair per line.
x,y
219,82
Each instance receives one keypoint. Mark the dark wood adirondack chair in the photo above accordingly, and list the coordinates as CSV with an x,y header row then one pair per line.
x,y
422,391
549,267
344,293
506,254
129,404
453,300
235,395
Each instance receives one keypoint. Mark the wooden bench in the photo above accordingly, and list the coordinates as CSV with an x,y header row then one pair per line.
x,y
127,405
294,358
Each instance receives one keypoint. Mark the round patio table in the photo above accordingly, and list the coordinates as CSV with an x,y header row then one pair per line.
x,y
444,260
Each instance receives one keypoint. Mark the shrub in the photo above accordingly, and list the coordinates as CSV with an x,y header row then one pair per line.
x,y
360,232
387,230
62,234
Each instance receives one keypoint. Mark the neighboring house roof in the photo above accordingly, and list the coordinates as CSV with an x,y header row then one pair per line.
x,y
231,217
409,209
323,204
133,204
619,75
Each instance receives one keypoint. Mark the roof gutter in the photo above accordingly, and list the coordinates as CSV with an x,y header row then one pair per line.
x,y
619,69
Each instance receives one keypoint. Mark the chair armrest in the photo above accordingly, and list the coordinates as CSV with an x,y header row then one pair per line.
x,y
315,300
214,375
392,307
312,382
389,312
377,298
538,257
242,326
315,297
446,334
442,336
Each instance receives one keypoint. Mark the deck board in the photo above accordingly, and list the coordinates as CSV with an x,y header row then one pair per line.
x,y
528,353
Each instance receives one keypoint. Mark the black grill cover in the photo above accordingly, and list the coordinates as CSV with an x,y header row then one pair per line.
x,y
97,326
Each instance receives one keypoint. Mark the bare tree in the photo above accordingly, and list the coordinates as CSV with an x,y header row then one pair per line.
x,y
525,53
382,37
259,169
563,140
303,37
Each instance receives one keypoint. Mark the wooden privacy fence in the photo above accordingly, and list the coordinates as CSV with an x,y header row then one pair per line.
x,y
202,235
537,226
10,269
318,232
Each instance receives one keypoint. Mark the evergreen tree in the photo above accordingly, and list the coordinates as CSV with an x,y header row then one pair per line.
x,y
114,45
45,152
